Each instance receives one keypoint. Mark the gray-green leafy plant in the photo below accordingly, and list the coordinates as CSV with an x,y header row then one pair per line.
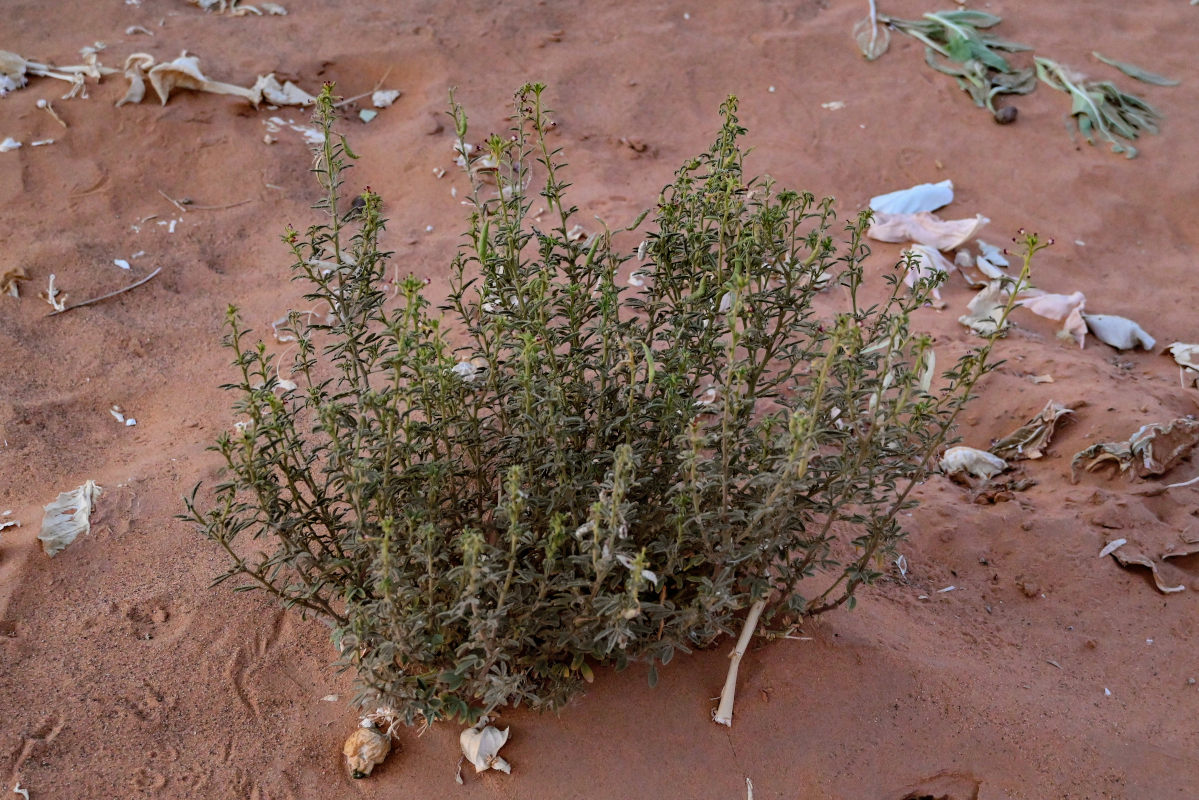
x,y
555,470
958,43
1101,107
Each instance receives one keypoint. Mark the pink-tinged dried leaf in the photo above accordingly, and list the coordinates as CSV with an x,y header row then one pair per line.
x,y
1065,308
1031,439
925,228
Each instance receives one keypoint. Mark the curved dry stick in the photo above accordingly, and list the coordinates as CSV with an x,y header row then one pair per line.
x,y
106,296
723,715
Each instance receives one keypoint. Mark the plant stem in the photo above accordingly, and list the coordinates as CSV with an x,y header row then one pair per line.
x,y
724,712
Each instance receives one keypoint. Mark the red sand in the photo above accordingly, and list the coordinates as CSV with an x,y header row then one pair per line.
x,y
124,675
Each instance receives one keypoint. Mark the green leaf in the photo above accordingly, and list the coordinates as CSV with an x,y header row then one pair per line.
x,y
966,16
1133,71
653,675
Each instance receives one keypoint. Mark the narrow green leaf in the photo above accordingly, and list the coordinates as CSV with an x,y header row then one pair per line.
x,y
1133,71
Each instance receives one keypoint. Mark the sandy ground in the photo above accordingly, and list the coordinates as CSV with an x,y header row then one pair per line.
x,y
1046,673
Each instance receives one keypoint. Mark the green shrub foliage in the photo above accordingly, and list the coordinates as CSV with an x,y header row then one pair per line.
x,y
560,468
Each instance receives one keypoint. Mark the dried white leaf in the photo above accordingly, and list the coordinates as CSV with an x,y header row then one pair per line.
x,y
481,746
286,94
274,9
978,463
384,97
330,698
18,790
925,228
835,105
120,262
1064,307
1112,546
1119,332
923,197
928,263
67,517
986,309
635,279
367,114
118,413
992,254
9,143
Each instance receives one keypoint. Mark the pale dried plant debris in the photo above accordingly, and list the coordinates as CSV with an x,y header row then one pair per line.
x,y
1153,450
365,749
235,9
1065,308
925,228
184,73
384,97
9,143
54,296
1185,355
15,70
986,309
922,197
481,746
970,460
1119,332
1127,557
10,280
1031,440
68,517
925,263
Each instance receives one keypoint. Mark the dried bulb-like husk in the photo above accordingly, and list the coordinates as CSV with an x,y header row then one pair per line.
x,y
365,749
481,746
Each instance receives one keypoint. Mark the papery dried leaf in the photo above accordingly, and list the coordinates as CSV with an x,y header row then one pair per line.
x,y
926,264
1119,332
286,94
925,228
975,462
922,197
1127,558
136,67
67,517
12,72
1059,307
1187,358
10,280
481,746
1031,439
184,73
873,39
986,309
1152,450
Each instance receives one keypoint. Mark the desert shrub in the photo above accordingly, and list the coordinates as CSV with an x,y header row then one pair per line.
x,y
555,469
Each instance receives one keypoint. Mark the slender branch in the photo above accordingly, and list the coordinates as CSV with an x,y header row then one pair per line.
x,y
106,296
